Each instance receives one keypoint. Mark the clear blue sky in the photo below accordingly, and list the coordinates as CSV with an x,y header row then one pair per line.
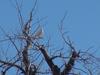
x,y
82,21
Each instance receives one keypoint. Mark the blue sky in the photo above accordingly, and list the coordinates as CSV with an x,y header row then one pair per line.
x,y
82,20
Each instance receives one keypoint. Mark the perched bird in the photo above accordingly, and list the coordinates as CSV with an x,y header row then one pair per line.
x,y
39,33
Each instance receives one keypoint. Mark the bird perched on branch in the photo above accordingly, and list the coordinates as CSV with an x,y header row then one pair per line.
x,y
39,33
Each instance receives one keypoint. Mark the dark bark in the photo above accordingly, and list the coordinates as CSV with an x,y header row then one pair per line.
x,y
70,64
54,68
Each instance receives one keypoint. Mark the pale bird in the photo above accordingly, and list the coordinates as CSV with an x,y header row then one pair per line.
x,y
39,33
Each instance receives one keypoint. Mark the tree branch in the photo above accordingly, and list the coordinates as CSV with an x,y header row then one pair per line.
x,y
70,64
12,65
54,68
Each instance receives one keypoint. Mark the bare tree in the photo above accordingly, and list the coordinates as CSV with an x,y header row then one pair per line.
x,y
33,57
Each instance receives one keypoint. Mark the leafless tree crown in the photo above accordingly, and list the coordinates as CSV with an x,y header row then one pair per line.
x,y
34,57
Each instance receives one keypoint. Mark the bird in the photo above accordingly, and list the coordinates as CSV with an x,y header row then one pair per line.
x,y
39,33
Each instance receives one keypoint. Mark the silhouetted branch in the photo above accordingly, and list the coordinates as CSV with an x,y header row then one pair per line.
x,y
70,64
12,65
54,68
